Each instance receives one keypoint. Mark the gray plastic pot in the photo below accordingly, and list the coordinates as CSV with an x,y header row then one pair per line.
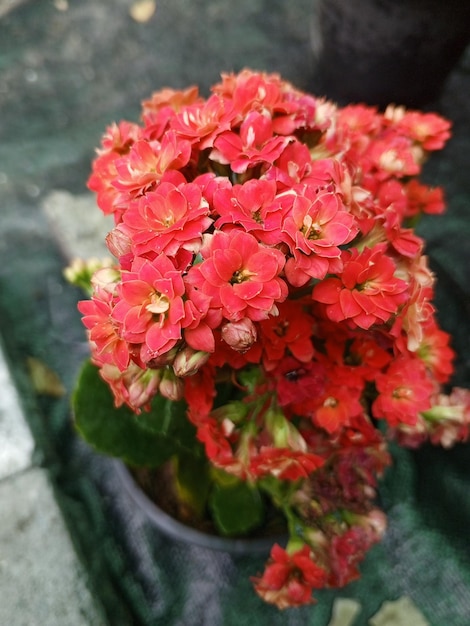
x,y
181,532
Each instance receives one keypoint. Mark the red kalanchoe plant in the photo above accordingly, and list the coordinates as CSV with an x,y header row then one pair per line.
x,y
268,320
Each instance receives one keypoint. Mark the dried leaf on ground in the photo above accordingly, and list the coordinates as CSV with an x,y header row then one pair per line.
x,y
401,612
45,381
142,10
345,611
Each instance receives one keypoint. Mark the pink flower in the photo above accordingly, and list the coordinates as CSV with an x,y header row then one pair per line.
x,y
108,345
171,387
150,306
167,219
240,275
366,292
314,228
249,205
133,386
202,122
428,129
188,361
144,166
239,335
267,273
255,144
394,156
162,107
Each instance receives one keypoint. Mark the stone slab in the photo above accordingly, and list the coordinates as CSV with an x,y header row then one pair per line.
x,y
79,227
41,580
16,441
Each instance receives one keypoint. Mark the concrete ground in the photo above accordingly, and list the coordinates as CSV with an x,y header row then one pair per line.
x,y
41,578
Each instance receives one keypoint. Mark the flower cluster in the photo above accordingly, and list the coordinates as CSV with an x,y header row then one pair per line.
x,y
264,239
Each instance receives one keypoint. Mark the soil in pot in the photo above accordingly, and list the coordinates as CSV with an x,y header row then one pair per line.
x,y
159,486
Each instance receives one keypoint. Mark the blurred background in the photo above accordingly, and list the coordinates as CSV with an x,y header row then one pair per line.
x,y
68,68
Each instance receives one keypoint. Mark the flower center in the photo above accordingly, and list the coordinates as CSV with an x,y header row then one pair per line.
x,y
240,276
159,303
282,328
402,393
311,229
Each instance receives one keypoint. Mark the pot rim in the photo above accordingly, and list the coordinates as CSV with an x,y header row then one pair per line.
x,y
181,532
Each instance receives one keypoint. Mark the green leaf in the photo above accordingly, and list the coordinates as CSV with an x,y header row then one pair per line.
x,y
193,482
169,417
116,431
236,508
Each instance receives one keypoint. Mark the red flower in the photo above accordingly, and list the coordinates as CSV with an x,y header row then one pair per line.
x,y
252,91
289,579
116,142
405,390
337,406
435,351
199,393
367,291
292,167
423,199
268,273
217,446
284,463
297,382
346,551
368,356
289,332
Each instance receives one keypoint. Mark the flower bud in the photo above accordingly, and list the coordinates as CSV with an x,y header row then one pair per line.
x,y
170,386
239,335
283,432
188,361
81,273
106,278
377,521
163,360
143,388
118,243
235,411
